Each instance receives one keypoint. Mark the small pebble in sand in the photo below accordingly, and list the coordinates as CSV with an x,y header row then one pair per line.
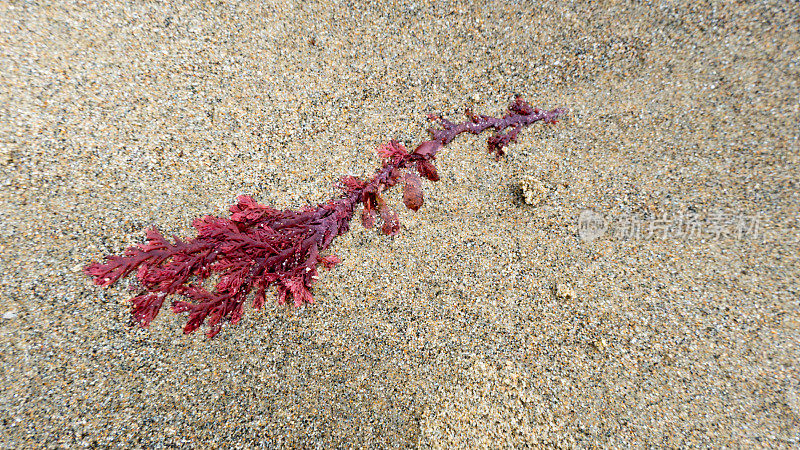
x,y
533,190
564,292
600,345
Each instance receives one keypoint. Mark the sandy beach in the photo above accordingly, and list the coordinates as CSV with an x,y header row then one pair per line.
x,y
647,295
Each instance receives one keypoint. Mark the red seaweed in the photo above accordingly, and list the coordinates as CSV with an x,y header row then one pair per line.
x,y
258,247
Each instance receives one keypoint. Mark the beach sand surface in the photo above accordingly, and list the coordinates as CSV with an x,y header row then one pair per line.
x,y
487,322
